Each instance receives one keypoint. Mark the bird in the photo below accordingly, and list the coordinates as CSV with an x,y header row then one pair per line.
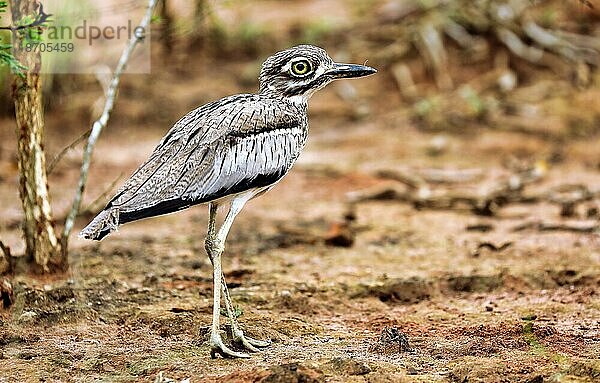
x,y
226,153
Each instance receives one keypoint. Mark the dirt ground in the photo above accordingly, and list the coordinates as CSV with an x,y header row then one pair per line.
x,y
377,291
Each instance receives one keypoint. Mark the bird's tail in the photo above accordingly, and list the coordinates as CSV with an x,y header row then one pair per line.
x,y
103,224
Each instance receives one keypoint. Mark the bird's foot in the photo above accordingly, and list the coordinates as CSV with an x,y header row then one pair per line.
x,y
249,343
218,347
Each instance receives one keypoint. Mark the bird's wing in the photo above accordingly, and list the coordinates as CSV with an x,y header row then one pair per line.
x,y
200,126
217,150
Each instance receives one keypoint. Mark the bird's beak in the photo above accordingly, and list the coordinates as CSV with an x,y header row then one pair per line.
x,y
350,70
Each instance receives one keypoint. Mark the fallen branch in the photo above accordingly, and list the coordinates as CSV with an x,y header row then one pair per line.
x,y
431,46
415,178
514,27
553,42
491,247
421,196
572,226
514,43
407,178
476,44
101,123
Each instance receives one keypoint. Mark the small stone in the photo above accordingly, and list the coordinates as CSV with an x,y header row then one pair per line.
x,y
150,279
391,340
195,265
438,145
592,212
339,235
536,379
507,81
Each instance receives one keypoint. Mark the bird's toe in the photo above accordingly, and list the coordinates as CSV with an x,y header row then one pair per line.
x,y
226,352
249,343
258,343
218,347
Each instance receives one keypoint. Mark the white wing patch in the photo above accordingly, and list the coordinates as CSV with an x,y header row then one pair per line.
x,y
246,160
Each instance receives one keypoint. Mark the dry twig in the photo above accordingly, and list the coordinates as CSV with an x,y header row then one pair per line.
x,y
422,196
491,247
101,123
67,149
573,226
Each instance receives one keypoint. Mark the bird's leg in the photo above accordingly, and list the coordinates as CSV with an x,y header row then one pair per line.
x,y
211,235
216,343
214,249
215,246
238,334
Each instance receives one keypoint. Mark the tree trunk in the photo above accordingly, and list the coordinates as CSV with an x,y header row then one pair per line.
x,y
166,37
42,244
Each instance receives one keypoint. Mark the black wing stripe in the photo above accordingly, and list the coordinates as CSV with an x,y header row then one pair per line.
x,y
196,162
177,204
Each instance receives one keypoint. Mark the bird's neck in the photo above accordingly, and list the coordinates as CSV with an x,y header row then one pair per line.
x,y
298,100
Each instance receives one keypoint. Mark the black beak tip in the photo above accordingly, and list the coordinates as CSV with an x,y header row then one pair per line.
x,y
352,71
363,71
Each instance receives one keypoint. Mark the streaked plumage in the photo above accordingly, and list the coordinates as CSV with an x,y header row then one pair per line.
x,y
228,151
222,148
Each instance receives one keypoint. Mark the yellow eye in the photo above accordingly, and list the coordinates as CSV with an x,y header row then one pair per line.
x,y
301,67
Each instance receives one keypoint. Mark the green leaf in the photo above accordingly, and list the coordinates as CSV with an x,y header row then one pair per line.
x,y
237,311
14,65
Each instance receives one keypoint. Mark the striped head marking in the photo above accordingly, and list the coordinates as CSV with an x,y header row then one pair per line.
x,y
302,70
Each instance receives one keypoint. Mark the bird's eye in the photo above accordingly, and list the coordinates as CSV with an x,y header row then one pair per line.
x,y
301,68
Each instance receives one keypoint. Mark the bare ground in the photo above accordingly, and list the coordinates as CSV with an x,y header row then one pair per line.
x,y
397,294
139,303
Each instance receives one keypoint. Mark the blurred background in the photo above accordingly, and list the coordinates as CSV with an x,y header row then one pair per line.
x,y
452,197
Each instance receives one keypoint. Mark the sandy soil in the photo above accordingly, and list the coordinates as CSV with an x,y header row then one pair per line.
x,y
394,294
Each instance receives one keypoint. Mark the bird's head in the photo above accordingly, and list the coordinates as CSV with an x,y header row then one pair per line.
x,y
302,70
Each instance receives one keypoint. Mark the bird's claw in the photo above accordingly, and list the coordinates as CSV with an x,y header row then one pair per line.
x,y
259,343
218,347
249,343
